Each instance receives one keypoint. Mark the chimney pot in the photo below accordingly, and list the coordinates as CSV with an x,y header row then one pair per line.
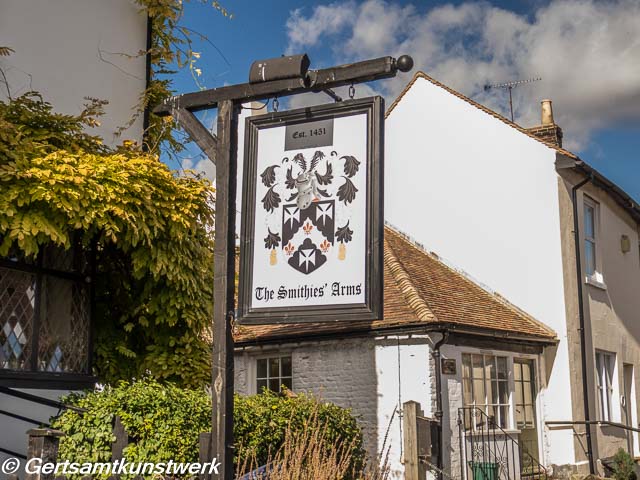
x,y
547,112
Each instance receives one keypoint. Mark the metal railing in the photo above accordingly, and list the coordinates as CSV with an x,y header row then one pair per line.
x,y
34,399
490,453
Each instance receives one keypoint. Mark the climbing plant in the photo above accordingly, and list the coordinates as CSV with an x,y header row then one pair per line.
x,y
152,230
171,49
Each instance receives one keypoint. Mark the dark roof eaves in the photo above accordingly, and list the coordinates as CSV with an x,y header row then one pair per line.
x,y
404,329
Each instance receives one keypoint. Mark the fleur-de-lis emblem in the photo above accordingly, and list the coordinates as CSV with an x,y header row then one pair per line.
x,y
325,246
307,228
289,249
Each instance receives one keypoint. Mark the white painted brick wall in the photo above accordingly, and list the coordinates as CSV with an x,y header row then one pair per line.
x,y
341,372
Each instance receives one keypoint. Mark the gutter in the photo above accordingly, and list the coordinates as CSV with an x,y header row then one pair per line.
x,y
583,339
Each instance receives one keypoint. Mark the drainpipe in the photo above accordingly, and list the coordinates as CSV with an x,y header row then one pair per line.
x,y
435,353
583,341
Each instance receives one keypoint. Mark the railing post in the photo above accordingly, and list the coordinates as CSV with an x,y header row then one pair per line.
x,y
43,444
463,444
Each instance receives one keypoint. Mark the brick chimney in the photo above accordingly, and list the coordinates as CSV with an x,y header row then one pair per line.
x,y
547,130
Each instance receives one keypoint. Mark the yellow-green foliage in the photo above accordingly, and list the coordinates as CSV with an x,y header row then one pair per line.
x,y
152,228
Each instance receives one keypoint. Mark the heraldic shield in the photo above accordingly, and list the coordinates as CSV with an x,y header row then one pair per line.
x,y
308,234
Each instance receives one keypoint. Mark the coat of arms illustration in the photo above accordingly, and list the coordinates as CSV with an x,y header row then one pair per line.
x,y
314,216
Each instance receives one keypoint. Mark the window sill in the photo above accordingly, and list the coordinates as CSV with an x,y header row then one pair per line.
x,y
595,282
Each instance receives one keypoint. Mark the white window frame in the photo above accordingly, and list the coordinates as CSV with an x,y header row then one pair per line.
x,y
268,357
594,277
605,384
503,422
533,384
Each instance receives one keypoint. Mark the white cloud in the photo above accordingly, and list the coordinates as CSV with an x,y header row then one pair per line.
x,y
586,51
200,164
326,19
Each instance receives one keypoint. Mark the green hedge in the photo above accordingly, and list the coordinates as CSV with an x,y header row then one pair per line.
x,y
165,421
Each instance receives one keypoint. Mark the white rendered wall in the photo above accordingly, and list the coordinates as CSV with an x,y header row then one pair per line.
x,y
484,197
403,374
58,48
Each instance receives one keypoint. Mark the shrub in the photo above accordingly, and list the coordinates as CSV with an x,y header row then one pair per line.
x,y
262,422
623,466
164,422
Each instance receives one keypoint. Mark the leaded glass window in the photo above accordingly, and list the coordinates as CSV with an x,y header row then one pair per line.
x,y
45,312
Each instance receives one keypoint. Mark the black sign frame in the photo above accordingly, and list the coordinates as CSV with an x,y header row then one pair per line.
x,y
372,308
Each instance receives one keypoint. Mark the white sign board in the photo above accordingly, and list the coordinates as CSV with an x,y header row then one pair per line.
x,y
311,243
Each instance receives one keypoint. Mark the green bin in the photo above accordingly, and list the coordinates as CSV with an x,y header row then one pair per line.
x,y
485,470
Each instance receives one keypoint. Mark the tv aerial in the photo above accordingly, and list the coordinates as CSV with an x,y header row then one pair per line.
x,y
510,86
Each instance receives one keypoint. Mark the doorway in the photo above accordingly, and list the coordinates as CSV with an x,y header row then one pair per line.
x,y
525,406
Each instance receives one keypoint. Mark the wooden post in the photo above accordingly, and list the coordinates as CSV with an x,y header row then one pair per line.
x,y
43,444
122,440
204,442
221,446
416,441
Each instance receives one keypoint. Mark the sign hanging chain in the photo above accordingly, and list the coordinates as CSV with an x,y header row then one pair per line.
x,y
352,91
275,104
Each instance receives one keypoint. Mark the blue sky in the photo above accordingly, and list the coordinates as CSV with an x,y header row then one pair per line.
x,y
587,53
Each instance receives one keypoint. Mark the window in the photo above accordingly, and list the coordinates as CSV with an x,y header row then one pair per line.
x,y
605,364
590,224
45,312
485,384
524,379
272,373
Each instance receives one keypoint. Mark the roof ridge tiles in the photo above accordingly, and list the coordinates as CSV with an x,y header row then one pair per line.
x,y
409,291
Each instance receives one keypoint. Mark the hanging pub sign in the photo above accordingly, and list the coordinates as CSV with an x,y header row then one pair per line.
x,y
312,214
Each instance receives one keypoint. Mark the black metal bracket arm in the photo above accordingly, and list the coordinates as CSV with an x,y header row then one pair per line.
x,y
181,107
314,80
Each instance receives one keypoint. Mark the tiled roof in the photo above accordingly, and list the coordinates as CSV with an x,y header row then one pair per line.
x,y
419,290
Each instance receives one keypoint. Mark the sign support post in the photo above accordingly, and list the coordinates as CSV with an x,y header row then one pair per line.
x,y
222,150
224,289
